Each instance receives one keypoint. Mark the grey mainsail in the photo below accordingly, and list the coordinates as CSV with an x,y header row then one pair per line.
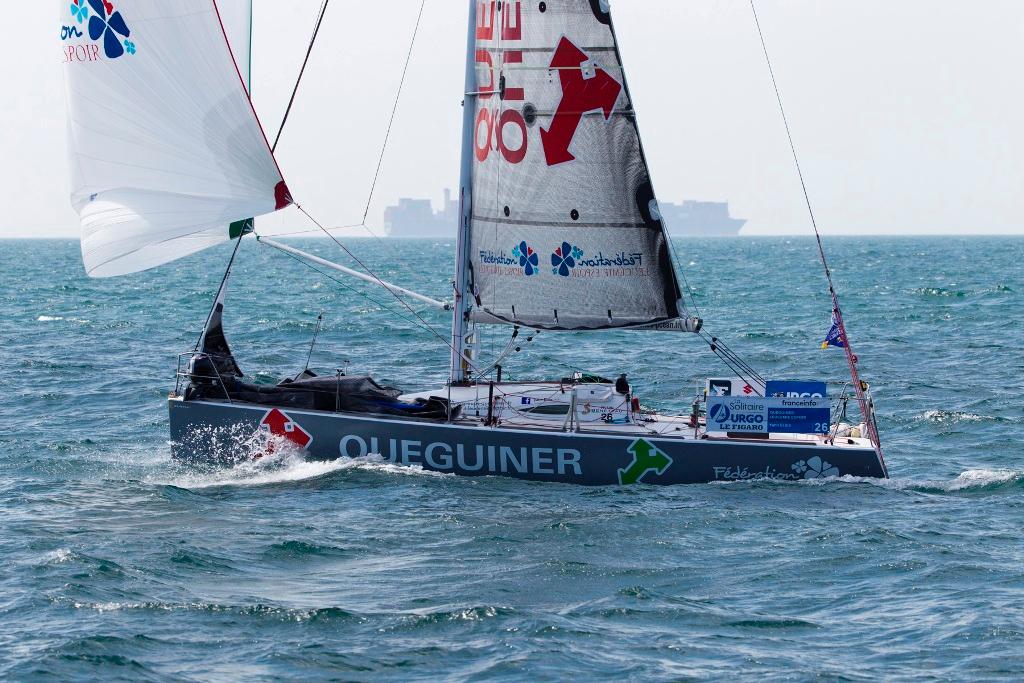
x,y
565,230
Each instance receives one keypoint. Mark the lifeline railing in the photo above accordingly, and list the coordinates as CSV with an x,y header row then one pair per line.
x,y
186,376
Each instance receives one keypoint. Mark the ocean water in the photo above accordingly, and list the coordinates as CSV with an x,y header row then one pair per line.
x,y
119,564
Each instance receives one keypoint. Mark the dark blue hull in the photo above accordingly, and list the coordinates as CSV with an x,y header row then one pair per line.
x,y
221,431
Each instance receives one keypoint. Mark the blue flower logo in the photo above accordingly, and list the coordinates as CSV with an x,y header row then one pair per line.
x,y
815,468
564,259
79,11
528,259
110,25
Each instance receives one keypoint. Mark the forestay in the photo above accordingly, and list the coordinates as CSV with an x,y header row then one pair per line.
x,y
236,16
165,148
566,232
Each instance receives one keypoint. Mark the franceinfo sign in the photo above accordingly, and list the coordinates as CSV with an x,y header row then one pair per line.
x,y
776,415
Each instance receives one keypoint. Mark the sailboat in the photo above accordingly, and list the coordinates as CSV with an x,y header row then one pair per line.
x,y
559,232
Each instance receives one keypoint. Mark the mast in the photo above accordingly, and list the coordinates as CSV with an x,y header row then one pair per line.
x,y
463,297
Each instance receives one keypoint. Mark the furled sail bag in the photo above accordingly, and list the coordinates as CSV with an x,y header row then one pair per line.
x,y
566,232
165,148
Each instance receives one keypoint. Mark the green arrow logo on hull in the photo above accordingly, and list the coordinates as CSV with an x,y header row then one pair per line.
x,y
646,458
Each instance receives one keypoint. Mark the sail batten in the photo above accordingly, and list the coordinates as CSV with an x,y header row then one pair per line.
x,y
566,232
165,147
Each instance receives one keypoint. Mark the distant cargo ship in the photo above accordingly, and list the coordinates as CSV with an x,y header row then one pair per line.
x,y
417,218
700,219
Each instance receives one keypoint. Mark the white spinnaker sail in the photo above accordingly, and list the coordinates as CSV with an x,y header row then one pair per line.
x,y
165,148
236,15
566,232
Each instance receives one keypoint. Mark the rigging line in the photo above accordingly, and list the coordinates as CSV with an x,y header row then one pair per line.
x,y
718,345
368,229
295,90
394,111
292,233
689,291
737,371
851,358
792,145
353,289
735,363
721,345
426,325
724,348
502,356
316,333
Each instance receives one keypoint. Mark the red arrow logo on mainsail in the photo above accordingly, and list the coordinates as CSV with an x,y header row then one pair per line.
x,y
579,96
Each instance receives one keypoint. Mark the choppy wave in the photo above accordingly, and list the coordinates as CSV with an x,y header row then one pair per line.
x,y
289,466
274,469
400,619
60,318
948,416
951,417
272,612
952,292
940,292
59,556
942,416
298,550
985,479
976,480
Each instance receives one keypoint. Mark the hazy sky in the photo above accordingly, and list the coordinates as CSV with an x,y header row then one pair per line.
x,y
907,113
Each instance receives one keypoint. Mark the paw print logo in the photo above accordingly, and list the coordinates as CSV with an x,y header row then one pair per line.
x,y
528,259
564,259
79,10
110,25
815,468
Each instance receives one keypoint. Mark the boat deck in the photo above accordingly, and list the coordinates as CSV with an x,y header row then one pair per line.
x,y
515,406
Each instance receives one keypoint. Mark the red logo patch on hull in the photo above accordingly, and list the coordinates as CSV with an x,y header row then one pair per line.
x,y
277,423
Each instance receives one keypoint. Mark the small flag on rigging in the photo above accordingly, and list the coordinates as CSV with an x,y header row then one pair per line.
x,y
835,335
